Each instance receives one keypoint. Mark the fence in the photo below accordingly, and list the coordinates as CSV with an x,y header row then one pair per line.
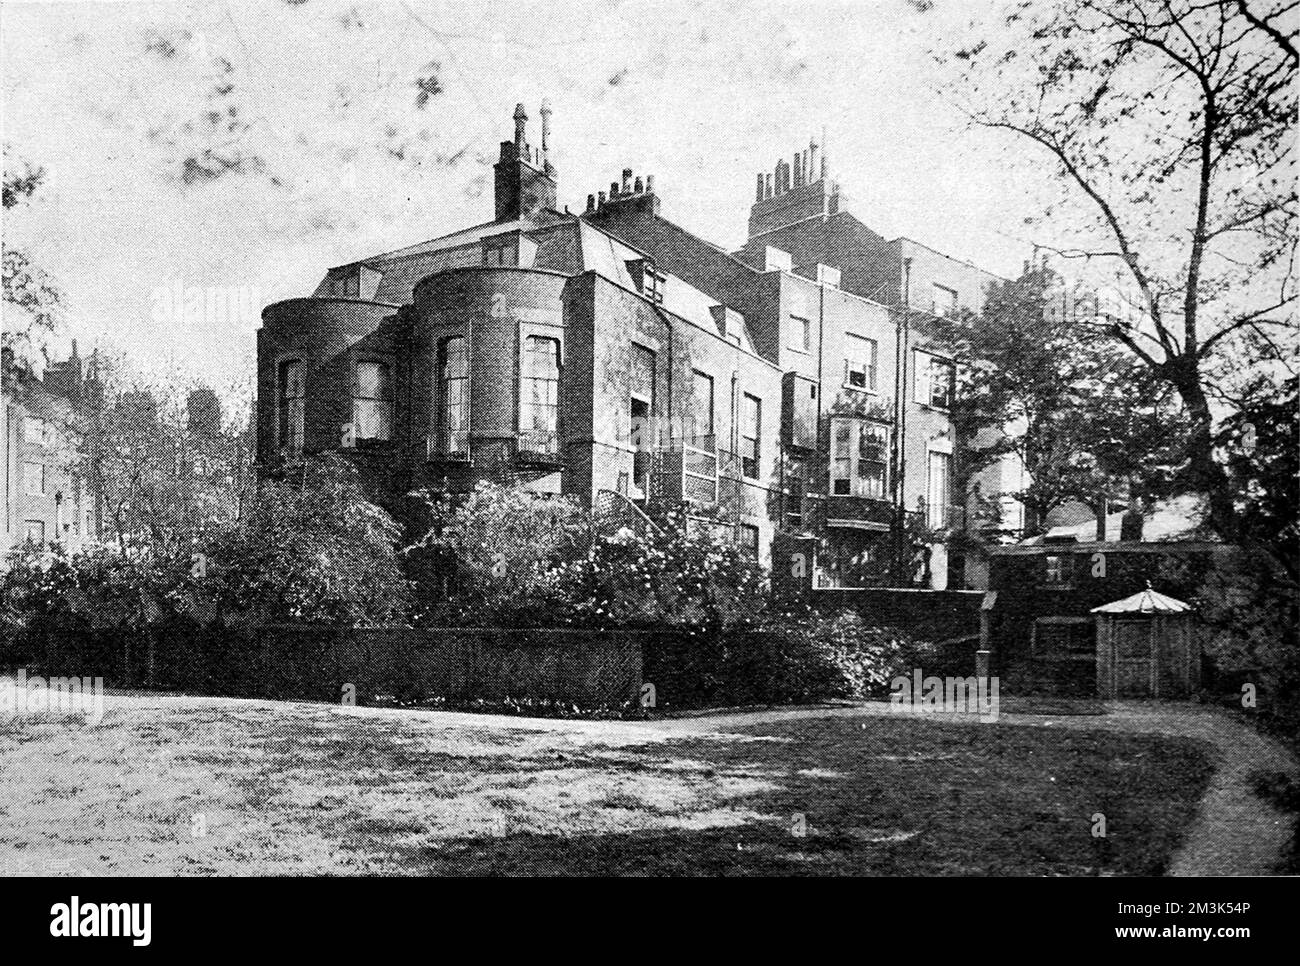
x,y
587,668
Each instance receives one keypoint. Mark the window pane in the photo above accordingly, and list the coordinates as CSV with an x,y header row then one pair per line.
x,y
539,395
453,397
293,391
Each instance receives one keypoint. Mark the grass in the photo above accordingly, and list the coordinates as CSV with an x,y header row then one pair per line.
x,y
306,789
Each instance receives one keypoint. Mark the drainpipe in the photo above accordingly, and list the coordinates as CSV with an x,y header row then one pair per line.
x,y
902,338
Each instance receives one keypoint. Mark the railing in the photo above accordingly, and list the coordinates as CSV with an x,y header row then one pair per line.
x,y
448,446
539,446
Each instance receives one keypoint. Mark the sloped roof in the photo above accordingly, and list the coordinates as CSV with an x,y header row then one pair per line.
x,y
1144,602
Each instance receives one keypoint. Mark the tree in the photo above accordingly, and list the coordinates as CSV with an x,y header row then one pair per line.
x,y
30,295
1170,128
166,463
311,549
1085,421
495,550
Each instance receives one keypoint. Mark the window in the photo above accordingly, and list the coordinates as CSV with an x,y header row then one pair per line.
x,y
935,380
859,458
641,393
751,426
943,300
800,333
794,502
34,431
453,396
749,539
539,396
702,430
34,531
860,366
34,479
497,253
653,282
938,482
1058,570
293,397
372,402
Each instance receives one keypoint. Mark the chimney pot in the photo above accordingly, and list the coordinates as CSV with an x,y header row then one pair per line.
x,y
591,202
613,189
600,199
637,186
650,184
627,180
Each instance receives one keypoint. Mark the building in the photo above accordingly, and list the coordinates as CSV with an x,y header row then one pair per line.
x,y
780,394
48,496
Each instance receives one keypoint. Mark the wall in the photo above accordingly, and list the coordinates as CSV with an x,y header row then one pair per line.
x,y
315,663
1102,573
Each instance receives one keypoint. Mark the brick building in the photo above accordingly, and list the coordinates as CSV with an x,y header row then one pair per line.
x,y
47,496
783,392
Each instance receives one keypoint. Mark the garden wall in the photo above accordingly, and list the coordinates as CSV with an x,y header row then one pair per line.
x,y
585,668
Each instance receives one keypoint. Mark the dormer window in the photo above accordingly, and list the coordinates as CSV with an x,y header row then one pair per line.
x,y
650,279
345,284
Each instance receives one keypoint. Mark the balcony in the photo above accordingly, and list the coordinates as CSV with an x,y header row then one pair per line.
x,y
537,447
447,447
684,474
939,517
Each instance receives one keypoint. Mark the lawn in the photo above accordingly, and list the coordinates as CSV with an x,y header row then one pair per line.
x,y
206,786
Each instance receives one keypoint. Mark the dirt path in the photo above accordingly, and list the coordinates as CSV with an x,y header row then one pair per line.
x,y
1235,833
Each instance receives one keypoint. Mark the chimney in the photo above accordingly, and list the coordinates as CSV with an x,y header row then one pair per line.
x,y
591,202
759,195
650,184
524,181
613,189
627,180
600,199
637,186
546,131
826,165
521,119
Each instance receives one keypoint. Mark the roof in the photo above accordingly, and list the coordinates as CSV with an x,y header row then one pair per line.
x,y
1145,602
1177,518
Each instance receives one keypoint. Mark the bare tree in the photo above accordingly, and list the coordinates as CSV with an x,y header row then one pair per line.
x,y
1170,128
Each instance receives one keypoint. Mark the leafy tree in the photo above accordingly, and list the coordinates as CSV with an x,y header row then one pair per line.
x,y
311,549
1169,126
1084,420
166,465
30,295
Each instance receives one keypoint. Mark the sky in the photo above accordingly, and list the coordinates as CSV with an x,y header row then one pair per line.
x,y
241,149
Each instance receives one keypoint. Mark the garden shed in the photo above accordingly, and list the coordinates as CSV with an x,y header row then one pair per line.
x,y
1147,647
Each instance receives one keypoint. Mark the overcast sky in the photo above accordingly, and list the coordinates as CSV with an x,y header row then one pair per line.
x,y
331,150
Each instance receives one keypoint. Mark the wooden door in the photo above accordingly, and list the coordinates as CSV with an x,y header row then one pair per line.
x,y
1133,658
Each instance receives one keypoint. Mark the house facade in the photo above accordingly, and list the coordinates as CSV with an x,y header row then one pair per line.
x,y
48,495
614,353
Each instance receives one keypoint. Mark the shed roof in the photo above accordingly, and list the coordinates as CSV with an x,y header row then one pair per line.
x,y
1144,602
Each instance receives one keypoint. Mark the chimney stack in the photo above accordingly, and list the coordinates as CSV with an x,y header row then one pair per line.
x,y
521,118
627,180
826,167
650,184
546,130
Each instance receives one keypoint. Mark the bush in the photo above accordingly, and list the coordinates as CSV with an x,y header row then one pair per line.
x,y
310,550
798,658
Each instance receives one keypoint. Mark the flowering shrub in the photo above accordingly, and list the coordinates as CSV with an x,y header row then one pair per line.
x,y
679,577
310,550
